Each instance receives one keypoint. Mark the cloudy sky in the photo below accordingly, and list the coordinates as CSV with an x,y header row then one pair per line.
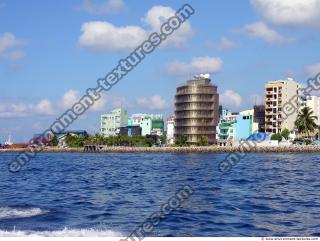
x,y
51,51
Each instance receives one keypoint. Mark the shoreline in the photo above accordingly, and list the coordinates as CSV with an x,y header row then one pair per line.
x,y
196,149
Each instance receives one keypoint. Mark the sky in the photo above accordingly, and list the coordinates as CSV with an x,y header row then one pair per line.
x,y
52,51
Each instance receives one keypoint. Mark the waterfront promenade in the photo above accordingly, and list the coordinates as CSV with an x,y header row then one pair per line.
x,y
187,149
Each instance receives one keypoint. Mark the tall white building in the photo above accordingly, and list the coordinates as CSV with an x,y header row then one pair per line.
x,y
110,123
170,130
278,93
313,102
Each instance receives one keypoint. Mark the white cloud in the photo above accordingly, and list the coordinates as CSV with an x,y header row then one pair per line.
x,y
289,12
8,47
155,102
72,96
230,98
262,31
312,70
69,98
223,44
11,110
106,8
105,37
157,15
99,105
44,107
198,65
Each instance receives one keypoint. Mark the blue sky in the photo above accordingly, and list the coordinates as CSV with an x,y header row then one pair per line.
x,y
52,51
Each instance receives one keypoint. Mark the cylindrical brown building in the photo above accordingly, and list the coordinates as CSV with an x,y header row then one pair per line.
x,y
197,110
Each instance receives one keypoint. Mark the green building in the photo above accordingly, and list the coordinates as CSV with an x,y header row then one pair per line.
x,y
110,123
150,124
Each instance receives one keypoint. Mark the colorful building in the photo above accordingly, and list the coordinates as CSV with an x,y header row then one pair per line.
x,y
237,126
110,123
226,131
151,124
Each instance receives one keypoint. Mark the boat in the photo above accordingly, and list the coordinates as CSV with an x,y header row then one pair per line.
x,y
8,142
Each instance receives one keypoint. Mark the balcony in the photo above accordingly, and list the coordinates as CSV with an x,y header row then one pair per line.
x,y
195,123
194,99
269,111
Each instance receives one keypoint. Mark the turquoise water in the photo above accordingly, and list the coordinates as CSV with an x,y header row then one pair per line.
x,y
78,194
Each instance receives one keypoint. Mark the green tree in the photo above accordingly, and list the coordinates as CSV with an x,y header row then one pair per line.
x,y
285,133
182,140
54,141
305,122
75,141
203,141
276,137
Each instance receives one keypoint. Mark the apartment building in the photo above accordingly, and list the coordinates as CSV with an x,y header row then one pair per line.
x,y
313,102
111,123
197,110
278,93
151,124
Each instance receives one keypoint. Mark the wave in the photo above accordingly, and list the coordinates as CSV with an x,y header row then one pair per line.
x,y
62,233
11,213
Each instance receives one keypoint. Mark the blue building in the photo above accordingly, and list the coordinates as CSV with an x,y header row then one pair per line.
x,y
243,127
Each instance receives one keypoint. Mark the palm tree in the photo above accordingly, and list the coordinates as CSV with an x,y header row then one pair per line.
x,y
305,122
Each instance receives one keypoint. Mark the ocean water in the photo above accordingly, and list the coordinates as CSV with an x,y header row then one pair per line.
x,y
79,194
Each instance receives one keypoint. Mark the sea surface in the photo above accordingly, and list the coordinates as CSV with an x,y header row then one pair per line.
x,y
79,194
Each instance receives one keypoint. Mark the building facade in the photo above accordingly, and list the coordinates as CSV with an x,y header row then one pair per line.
x,y
243,126
151,124
170,130
111,123
226,132
237,126
130,131
197,110
313,102
259,117
278,93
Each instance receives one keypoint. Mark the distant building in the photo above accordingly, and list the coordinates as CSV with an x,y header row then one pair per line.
x,y
40,139
313,102
170,129
130,131
237,126
226,132
278,93
197,110
259,117
223,112
254,126
243,126
61,136
111,122
231,116
151,124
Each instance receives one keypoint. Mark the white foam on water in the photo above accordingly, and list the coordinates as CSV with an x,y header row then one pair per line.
x,y
62,233
10,213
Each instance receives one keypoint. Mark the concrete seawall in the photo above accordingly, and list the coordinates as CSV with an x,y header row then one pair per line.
x,y
200,149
